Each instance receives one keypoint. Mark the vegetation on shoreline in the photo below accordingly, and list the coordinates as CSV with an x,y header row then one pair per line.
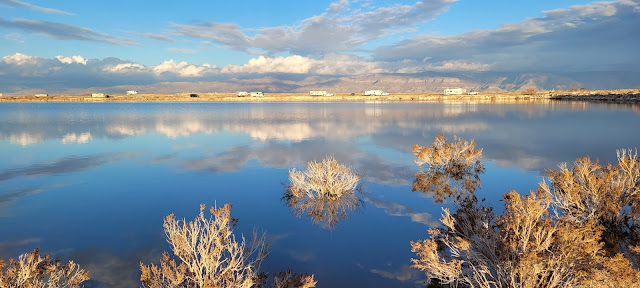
x,y
620,95
580,230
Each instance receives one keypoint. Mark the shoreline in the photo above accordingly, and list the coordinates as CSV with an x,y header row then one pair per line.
x,y
610,96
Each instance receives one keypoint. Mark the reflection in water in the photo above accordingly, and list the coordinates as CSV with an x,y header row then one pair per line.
x,y
325,192
452,168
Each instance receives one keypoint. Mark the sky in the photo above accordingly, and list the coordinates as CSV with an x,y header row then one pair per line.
x,y
130,42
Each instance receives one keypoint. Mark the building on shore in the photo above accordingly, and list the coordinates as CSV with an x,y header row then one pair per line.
x,y
454,91
242,94
97,95
42,95
132,92
375,93
318,93
257,94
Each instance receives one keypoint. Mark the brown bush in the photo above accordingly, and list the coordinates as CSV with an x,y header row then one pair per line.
x,y
447,169
580,231
33,271
325,192
209,256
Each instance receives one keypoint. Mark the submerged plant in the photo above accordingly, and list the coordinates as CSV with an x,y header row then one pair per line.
x,y
448,169
325,192
581,231
31,270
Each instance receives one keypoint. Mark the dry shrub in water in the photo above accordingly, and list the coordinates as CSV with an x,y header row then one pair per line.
x,y
33,271
210,256
326,179
581,231
452,169
325,192
208,253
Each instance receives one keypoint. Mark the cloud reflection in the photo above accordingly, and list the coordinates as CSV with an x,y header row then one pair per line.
x,y
65,165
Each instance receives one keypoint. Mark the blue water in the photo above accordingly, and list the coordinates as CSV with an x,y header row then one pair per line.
x,y
92,182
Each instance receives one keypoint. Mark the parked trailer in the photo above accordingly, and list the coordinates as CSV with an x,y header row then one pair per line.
x,y
243,94
454,91
257,94
373,93
318,93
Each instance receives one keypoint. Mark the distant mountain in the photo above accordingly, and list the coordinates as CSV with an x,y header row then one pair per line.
x,y
393,83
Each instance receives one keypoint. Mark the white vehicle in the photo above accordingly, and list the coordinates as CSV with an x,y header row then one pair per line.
x,y
243,94
373,93
257,94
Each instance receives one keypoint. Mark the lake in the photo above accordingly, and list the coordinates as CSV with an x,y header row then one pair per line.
x,y
92,182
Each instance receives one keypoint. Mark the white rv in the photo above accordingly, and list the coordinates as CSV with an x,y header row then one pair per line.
x,y
132,92
318,93
454,91
257,94
242,94
373,93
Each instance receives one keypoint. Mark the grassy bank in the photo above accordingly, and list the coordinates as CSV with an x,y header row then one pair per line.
x,y
629,95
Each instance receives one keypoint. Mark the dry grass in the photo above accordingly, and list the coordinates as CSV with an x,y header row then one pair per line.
x,y
33,271
325,192
580,231
448,169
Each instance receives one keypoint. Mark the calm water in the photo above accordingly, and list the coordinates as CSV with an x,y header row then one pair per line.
x,y
92,182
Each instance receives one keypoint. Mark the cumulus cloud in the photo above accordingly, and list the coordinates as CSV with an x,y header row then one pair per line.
x,y
62,31
72,59
20,4
81,138
332,31
596,36
332,64
20,59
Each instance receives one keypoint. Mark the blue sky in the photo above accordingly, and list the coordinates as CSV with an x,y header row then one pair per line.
x,y
199,39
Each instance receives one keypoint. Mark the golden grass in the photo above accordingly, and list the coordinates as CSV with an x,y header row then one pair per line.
x,y
151,97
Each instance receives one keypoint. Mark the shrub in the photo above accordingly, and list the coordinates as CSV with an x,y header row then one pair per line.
x,y
325,192
33,271
208,253
452,169
580,231
209,256
326,179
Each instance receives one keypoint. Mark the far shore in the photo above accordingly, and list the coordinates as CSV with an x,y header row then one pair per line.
x,y
614,96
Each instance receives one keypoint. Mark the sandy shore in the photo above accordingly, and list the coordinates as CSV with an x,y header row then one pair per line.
x,y
629,95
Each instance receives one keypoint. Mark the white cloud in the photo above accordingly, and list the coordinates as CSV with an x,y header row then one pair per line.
x,y
20,59
62,31
72,59
83,138
329,32
182,69
331,64
20,4
596,36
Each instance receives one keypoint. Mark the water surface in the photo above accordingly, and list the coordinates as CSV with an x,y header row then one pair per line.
x,y
92,182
